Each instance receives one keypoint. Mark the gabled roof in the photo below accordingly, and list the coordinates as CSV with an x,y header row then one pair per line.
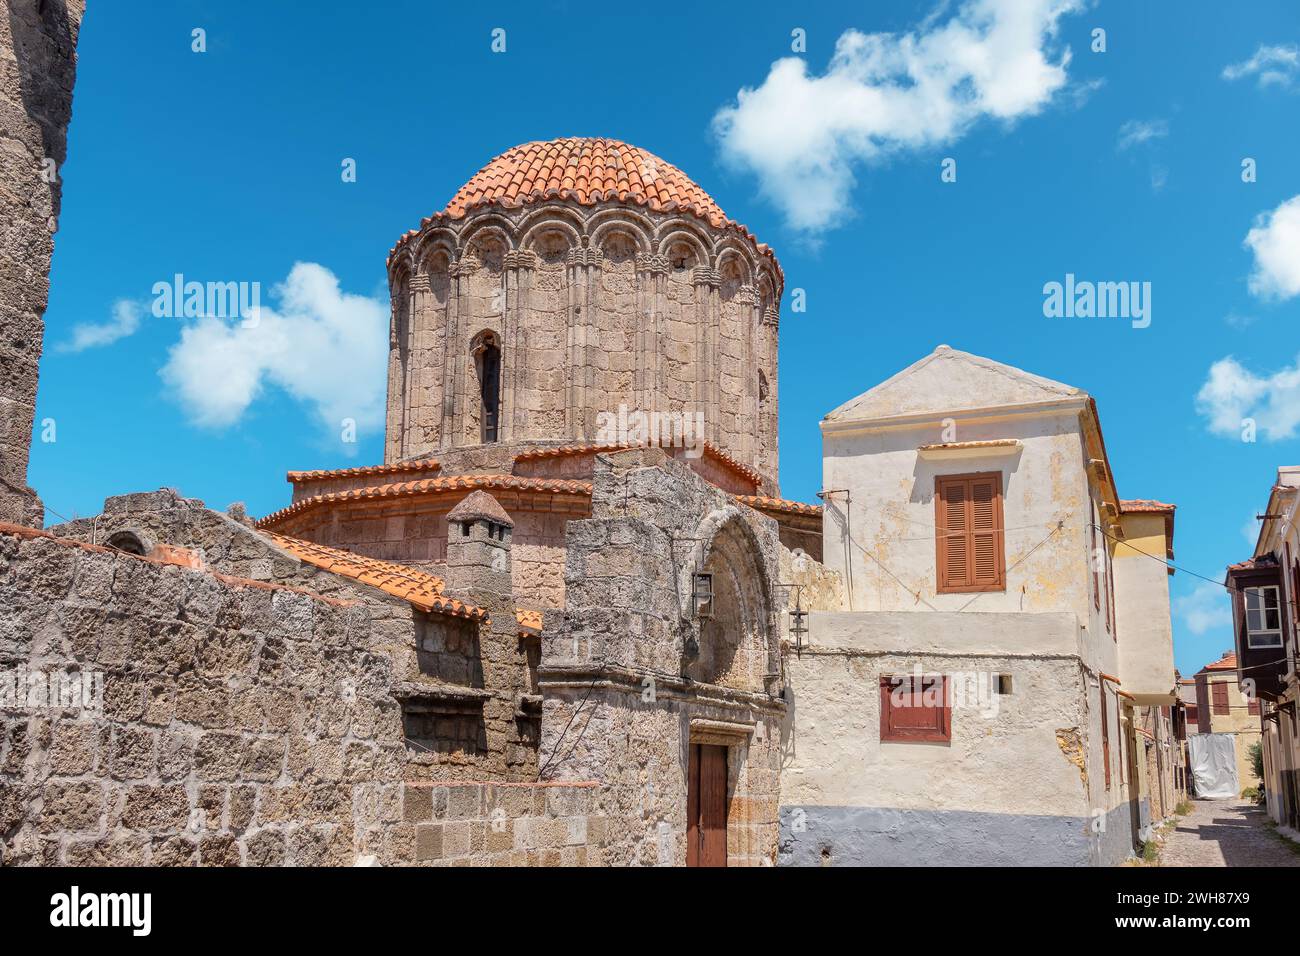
x,y
949,380
420,588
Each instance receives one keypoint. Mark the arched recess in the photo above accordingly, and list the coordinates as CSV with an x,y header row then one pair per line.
x,y
738,643
485,350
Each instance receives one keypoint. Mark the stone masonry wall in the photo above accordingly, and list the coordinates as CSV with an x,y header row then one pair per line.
x,y
504,824
619,706
241,722
38,42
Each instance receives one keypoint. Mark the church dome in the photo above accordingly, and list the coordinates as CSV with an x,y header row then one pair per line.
x,y
587,171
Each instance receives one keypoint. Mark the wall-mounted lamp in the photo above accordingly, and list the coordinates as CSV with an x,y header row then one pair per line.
x,y
703,595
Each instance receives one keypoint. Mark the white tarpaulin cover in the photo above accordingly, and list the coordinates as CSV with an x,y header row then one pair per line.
x,y
1214,765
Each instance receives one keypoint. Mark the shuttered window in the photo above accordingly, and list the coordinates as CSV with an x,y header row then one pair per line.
x,y
1105,733
1219,689
969,533
915,709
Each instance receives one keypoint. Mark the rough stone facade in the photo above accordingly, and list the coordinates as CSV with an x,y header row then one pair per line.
x,y
631,676
38,42
591,299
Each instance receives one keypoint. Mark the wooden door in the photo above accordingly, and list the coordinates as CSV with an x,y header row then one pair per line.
x,y
706,806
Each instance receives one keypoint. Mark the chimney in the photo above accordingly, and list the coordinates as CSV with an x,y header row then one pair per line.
x,y
478,545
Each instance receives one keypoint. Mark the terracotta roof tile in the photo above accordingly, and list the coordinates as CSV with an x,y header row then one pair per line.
x,y
761,503
1228,662
431,486
529,620
420,588
396,468
587,170
1146,505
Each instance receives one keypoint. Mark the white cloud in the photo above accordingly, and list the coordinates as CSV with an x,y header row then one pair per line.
x,y
1232,393
884,93
326,348
1136,132
1275,240
1205,609
88,335
1273,65
1250,530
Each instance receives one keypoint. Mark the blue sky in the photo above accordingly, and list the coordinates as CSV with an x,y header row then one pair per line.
x,y
1123,165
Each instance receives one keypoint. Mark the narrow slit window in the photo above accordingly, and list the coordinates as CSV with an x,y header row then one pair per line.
x,y
490,389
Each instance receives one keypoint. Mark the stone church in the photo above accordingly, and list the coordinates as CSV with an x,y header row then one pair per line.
x,y
530,636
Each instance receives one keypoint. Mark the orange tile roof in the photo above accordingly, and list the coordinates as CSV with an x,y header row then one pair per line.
x,y
395,468
1146,505
1228,662
420,588
529,620
586,170
761,503
431,486
711,450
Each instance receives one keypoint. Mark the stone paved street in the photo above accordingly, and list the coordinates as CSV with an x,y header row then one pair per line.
x,y
1226,833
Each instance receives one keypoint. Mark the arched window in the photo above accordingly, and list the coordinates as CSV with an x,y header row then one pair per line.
x,y
487,361
127,541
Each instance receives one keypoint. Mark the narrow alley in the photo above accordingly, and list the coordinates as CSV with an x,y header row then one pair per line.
x,y
1227,833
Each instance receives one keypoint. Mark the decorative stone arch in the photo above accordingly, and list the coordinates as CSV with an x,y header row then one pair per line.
x,y
487,227
400,269
604,226
728,247
639,226
771,281
677,227
674,244
434,237
436,264
550,217
734,273
738,644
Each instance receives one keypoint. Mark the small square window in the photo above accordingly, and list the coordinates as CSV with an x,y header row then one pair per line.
x,y
1002,682
915,709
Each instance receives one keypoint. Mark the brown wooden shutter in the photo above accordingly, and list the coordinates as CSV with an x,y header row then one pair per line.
x,y
1220,692
986,531
969,539
954,537
1105,734
1110,591
908,711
